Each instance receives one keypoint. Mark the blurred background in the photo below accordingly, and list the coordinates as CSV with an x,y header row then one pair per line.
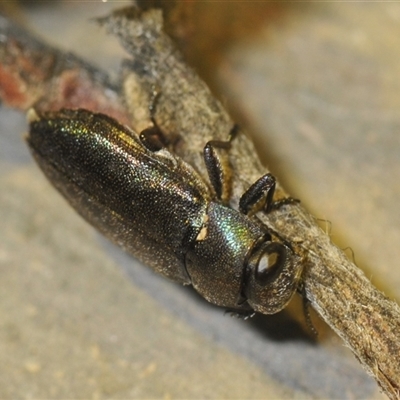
x,y
317,86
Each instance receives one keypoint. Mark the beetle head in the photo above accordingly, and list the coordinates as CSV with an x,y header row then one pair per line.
x,y
236,263
272,276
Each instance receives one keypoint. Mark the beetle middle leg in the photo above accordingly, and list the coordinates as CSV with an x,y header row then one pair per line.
x,y
219,170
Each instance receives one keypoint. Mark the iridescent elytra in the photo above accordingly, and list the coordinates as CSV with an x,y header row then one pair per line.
x,y
158,208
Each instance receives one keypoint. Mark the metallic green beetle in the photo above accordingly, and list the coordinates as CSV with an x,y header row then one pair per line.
x,y
158,208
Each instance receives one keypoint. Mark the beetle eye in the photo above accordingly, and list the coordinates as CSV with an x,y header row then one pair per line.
x,y
270,263
273,272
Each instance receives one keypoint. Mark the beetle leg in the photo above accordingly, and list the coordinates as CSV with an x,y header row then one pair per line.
x,y
260,195
153,138
219,170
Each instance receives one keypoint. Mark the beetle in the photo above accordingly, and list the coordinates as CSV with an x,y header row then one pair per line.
x,y
158,208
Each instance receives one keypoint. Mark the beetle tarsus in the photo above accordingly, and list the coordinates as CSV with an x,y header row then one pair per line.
x,y
276,205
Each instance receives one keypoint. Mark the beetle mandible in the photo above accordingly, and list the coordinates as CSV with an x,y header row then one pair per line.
x,y
158,208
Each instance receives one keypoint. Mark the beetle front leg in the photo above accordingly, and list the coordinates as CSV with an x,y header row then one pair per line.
x,y
260,195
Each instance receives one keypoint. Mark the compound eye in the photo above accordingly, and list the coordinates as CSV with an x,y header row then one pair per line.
x,y
271,262
272,275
